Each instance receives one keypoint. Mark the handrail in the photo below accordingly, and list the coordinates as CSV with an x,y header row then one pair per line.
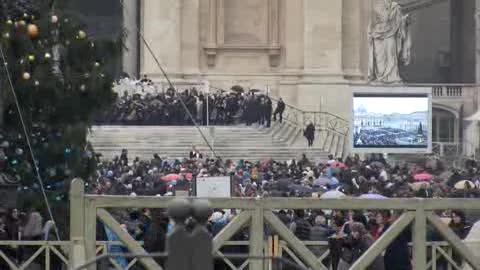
x,y
102,201
227,243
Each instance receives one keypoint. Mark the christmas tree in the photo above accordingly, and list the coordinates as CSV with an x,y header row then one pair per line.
x,y
57,73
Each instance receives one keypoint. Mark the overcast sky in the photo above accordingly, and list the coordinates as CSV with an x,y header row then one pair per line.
x,y
389,105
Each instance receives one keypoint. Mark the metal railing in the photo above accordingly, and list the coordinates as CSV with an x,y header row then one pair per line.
x,y
257,213
268,237
326,124
322,120
19,255
45,251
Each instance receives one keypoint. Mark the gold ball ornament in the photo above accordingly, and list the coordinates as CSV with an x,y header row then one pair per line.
x,y
81,34
37,83
31,58
21,23
54,19
83,88
32,31
25,15
26,76
9,22
97,64
48,56
6,35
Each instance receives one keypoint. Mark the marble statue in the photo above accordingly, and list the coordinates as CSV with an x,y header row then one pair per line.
x,y
389,43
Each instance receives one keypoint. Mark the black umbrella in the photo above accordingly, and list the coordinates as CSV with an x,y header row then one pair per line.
x,y
237,88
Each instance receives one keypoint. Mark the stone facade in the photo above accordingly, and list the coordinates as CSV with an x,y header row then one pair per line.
x,y
310,52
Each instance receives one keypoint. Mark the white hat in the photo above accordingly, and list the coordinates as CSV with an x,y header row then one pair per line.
x,y
217,216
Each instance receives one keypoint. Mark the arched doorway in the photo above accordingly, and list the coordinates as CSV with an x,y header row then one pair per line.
x,y
444,126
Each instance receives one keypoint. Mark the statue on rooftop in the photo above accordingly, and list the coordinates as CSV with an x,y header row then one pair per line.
x,y
389,43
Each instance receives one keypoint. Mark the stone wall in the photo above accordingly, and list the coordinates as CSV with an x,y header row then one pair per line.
x,y
431,53
307,51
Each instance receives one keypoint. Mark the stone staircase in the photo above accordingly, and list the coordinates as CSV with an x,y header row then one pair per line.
x,y
281,142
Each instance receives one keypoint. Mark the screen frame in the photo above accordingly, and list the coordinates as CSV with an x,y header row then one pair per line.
x,y
393,91
195,182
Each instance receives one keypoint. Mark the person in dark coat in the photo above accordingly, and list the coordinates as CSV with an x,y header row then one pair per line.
x,y
124,156
268,111
397,254
309,133
282,215
359,242
461,228
459,224
279,110
156,235
249,111
300,226
320,232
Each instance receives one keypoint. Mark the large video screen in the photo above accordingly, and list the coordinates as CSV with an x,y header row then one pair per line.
x,y
383,121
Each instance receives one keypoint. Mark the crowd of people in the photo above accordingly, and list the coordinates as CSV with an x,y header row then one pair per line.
x,y
349,234
168,108
388,136
16,225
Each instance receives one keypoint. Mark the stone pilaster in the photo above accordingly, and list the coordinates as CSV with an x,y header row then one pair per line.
x,y
161,25
191,46
356,17
323,40
131,51
294,34
477,41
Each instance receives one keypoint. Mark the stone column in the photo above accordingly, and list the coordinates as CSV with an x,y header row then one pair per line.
x,y
294,33
161,25
477,41
130,57
191,46
463,42
323,40
356,17
470,137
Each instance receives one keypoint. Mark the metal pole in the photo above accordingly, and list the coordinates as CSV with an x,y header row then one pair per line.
x,y
207,91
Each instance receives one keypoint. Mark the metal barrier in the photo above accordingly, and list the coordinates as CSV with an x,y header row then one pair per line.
x,y
274,249
256,213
